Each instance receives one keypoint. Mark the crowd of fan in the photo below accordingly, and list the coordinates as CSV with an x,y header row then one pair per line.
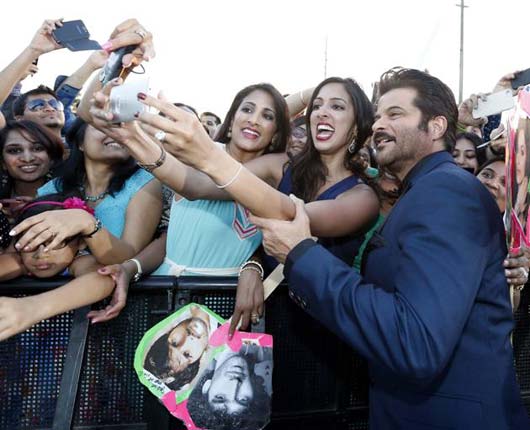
x,y
107,203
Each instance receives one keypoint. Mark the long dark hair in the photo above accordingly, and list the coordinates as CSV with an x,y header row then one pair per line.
x,y
34,132
156,362
73,174
283,128
308,171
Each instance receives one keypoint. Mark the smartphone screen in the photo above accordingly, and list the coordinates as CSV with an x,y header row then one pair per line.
x,y
521,79
71,30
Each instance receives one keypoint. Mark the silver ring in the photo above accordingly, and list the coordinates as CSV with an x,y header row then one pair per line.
x,y
525,272
141,33
254,318
160,135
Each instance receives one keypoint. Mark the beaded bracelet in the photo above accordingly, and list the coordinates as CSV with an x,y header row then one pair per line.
x,y
252,265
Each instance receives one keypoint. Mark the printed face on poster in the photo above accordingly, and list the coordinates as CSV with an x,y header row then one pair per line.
x,y
204,378
518,172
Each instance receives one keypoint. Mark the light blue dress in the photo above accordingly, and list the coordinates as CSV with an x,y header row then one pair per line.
x,y
112,209
208,237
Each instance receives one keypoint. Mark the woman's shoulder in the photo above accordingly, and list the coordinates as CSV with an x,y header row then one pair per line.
x,y
50,187
137,180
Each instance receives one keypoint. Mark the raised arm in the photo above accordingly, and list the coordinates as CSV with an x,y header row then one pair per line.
x,y
253,185
41,43
129,32
297,102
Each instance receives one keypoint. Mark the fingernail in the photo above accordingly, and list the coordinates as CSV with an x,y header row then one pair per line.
x,y
107,46
17,246
26,248
230,336
12,233
142,96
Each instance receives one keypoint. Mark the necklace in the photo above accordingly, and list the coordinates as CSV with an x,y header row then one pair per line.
x,y
93,198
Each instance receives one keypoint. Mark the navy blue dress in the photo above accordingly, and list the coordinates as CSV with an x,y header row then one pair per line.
x,y
344,247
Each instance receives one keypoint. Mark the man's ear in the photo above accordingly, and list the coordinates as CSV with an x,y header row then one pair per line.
x,y
437,127
206,387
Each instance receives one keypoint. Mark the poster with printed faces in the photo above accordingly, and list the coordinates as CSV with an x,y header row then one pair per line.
x,y
518,172
172,353
229,388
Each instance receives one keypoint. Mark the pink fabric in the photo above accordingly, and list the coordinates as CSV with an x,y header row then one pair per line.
x,y
69,203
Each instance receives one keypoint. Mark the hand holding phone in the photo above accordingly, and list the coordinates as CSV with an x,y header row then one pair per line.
x,y
113,68
494,103
521,79
74,36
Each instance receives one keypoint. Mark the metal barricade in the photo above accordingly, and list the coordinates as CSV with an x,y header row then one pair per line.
x,y
65,373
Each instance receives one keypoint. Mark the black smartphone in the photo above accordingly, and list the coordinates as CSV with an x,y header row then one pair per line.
x,y
521,79
113,68
74,36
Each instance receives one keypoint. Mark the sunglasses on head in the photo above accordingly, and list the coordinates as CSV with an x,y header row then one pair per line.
x,y
39,104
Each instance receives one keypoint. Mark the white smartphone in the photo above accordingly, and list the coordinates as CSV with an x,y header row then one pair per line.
x,y
124,103
494,104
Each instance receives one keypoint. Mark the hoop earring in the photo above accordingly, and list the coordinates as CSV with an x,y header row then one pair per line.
x,y
351,147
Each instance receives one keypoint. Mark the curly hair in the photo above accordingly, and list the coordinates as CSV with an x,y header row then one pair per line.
x,y
255,416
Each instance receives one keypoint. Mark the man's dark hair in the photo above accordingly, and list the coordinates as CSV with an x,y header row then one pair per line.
x,y
186,107
217,119
19,105
434,98
255,416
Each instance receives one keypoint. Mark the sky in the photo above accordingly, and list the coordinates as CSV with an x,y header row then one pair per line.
x,y
208,50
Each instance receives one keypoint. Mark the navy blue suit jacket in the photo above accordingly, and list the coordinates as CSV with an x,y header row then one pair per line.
x,y
431,313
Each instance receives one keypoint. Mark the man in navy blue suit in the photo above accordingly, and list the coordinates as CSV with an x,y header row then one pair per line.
x,y
431,312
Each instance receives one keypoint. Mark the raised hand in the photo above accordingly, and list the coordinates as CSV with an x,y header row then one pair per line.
x,y
43,40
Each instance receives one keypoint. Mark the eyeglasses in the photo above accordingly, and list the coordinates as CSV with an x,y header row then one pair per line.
x,y
40,104
299,132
